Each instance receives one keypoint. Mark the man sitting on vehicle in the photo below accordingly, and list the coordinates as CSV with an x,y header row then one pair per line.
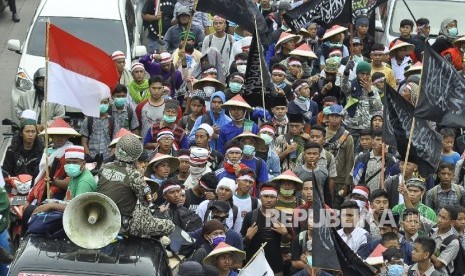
x,y
81,179
125,185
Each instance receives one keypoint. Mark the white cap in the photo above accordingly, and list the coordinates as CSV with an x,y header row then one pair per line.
x,y
208,128
227,183
29,114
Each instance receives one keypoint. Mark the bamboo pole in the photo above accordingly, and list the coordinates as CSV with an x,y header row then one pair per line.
x,y
383,163
261,67
47,169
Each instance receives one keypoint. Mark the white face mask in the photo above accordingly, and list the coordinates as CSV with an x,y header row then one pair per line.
x,y
209,90
241,68
196,170
361,204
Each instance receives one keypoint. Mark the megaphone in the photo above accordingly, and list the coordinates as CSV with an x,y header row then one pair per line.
x,y
91,220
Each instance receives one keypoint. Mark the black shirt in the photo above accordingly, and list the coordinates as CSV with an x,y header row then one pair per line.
x,y
264,234
167,9
192,200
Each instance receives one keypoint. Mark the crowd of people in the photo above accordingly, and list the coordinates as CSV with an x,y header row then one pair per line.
x,y
178,136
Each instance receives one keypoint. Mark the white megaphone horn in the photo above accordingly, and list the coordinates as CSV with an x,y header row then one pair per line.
x,y
91,220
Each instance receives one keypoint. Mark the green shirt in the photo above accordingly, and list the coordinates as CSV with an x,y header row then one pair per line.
x,y
4,209
84,183
428,216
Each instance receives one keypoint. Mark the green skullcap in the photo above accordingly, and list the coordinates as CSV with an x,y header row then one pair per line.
x,y
191,35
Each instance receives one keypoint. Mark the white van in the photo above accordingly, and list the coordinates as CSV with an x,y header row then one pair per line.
x,y
433,10
108,24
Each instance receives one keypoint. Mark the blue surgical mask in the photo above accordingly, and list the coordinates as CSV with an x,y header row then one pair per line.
x,y
216,240
103,108
334,45
73,170
453,32
120,102
235,86
303,99
395,270
248,150
267,138
169,119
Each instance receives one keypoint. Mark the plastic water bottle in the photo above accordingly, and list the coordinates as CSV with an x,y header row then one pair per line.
x,y
294,153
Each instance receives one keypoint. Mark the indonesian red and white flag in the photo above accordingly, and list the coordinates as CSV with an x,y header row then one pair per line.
x,y
80,75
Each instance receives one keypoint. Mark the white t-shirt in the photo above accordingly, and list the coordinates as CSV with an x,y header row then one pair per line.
x,y
217,43
244,205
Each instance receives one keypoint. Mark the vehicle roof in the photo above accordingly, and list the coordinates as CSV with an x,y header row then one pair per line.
x,y
103,9
133,256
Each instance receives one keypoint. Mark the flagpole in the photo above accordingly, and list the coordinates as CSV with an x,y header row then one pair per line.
x,y
351,40
47,169
383,163
189,25
261,69
410,135
410,11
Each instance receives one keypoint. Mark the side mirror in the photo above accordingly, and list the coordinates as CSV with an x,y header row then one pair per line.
x,y
14,45
379,26
140,51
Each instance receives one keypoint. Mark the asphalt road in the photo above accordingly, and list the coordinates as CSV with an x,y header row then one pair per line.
x,y
8,59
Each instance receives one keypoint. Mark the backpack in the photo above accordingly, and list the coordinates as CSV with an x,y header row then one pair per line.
x,y
181,242
90,122
188,219
207,213
435,194
48,224
459,261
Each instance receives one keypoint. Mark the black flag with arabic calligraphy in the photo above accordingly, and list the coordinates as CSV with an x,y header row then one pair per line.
x,y
426,145
442,91
241,12
324,12
254,75
333,253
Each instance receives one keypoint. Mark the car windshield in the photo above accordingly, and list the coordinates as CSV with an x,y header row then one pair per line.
x,y
105,34
434,11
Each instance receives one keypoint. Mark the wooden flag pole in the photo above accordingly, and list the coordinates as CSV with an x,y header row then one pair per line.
x,y
383,163
408,149
47,169
188,29
261,67
410,135
351,40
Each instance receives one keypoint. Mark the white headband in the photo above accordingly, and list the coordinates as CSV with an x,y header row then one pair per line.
x,y
295,62
246,177
234,149
171,187
267,128
269,192
278,71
